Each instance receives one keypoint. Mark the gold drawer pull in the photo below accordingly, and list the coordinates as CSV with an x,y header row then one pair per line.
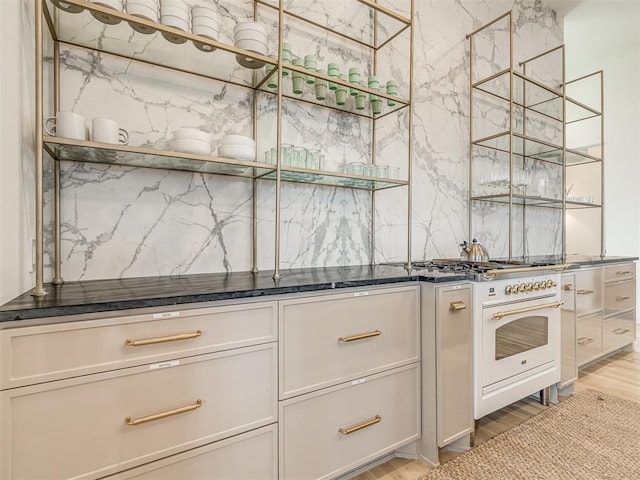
x,y
620,331
153,341
620,299
158,416
584,340
362,336
585,292
568,287
623,272
455,306
355,428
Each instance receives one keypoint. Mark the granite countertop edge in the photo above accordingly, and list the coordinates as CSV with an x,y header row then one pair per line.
x,y
97,296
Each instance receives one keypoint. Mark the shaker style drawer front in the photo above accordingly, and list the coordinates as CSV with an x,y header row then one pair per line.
x,y
118,420
251,455
588,337
588,290
619,330
619,297
327,433
53,352
336,338
622,271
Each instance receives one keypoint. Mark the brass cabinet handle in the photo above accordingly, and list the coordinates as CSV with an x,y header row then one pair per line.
x,y
170,338
455,306
584,340
585,292
568,287
620,299
620,331
623,272
499,315
355,428
150,418
362,336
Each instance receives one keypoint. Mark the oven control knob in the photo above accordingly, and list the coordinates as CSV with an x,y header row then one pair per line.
x,y
529,287
522,288
507,290
551,283
536,286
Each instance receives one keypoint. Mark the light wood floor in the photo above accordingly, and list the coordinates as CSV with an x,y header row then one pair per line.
x,y
618,375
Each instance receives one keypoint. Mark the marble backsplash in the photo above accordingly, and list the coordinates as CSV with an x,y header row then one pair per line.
x,y
127,222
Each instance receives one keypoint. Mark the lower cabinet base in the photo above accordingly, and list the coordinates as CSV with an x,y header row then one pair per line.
x,y
249,455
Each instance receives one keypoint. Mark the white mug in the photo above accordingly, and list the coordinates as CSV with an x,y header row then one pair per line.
x,y
105,130
66,124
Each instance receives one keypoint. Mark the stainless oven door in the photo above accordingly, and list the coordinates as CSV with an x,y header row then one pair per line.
x,y
518,337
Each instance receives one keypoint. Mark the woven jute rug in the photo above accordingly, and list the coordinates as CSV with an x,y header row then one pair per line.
x,y
590,436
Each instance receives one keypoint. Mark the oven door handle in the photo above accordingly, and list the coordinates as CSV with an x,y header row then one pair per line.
x,y
500,315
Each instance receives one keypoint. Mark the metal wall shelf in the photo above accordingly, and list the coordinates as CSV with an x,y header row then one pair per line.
x,y
522,145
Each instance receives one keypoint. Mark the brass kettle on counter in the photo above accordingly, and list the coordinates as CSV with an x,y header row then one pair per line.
x,y
473,252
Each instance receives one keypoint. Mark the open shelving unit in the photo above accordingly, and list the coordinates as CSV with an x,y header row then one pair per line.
x,y
524,115
93,27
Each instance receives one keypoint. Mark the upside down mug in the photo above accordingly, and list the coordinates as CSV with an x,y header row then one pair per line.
x,y
66,124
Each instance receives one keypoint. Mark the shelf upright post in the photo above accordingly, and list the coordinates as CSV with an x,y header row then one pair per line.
x,y
470,193
564,156
38,289
57,270
372,233
276,273
511,137
254,183
410,140
602,188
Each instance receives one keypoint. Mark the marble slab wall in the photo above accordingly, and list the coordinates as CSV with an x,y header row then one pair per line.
x,y
127,222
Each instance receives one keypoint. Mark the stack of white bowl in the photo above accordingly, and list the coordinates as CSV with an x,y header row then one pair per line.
x,y
147,9
238,147
205,22
192,140
250,36
175,13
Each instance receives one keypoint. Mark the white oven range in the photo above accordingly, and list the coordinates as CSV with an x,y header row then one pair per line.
x,y
516,339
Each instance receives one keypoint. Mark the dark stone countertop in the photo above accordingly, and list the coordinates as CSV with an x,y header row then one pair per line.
x,y
122,294
94,296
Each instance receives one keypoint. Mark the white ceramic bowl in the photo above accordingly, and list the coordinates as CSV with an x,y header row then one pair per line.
x,y
175,12
252,46
239,140
115,4
250,35
255,26
173,21
192,146
175,3
205,32
143,11
205,21
188,133
237,152
209,28
201,11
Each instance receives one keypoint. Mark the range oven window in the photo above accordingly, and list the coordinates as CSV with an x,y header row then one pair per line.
x,y
521,335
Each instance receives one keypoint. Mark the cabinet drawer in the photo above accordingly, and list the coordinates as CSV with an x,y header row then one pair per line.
x,y
314,438
622,271
588,337
52,352
588,291
226,459
335,338
619,296
619,331
236,389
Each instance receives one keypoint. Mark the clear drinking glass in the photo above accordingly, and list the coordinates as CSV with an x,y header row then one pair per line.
x,y
286,150
313,159
355,168
370,170
299,157
382,171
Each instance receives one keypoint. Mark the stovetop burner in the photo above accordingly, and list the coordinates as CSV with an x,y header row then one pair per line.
x,y
448,265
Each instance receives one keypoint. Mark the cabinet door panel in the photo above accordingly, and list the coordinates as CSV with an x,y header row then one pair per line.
x,y
619,297
588,290
589,337
619,330
52,352
334,338
568,359
312,446
236,390
622,271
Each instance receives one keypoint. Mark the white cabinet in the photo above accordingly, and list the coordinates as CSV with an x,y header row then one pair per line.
x,y
120,418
